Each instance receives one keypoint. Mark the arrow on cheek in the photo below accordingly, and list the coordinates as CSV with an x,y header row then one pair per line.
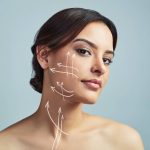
x,y
53,70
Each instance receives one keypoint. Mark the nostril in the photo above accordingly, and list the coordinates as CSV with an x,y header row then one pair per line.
x,y
99,70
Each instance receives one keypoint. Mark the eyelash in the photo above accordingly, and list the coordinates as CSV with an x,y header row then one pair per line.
x,y
82,50
107,61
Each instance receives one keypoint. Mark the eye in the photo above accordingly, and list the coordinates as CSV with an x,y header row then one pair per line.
x,y
107,61
83,51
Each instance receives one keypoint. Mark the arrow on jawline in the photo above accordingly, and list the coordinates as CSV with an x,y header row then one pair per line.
x,y
61,84
53,89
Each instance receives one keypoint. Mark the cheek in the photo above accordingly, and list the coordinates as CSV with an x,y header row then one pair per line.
x,y
65,72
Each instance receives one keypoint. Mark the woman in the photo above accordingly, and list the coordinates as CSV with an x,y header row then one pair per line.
x,y
71,57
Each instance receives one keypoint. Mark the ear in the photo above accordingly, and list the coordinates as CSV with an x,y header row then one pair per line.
x,y
42,56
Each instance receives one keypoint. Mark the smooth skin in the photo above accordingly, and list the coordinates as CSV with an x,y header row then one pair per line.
x,y
90,53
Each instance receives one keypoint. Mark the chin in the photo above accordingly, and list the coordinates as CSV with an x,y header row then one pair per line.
x,y
91,97
85,96
87,99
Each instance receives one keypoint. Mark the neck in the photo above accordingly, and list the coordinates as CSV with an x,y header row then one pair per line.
x,y
56,114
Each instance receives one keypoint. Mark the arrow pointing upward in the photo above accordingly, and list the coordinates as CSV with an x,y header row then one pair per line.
x,y
59,137
47,107
59,110
62,117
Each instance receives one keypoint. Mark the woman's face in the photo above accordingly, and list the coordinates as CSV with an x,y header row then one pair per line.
x,y
79,71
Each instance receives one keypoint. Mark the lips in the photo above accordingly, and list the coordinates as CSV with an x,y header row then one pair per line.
x,y
92,84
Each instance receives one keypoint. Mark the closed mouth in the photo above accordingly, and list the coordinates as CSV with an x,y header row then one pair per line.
x,y
93,84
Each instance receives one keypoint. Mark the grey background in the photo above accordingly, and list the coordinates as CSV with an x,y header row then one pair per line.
x,y
126,98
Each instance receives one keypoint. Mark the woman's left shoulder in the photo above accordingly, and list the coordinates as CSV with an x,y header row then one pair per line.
x,y
127,136
121,134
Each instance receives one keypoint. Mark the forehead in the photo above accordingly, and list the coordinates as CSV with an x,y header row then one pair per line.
x,y
99,34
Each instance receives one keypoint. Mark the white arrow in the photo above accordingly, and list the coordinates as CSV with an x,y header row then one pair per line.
x,y
53,70
57,132
71,67
68,53
62,118
72,62
62,93
61,84
53,89
47,107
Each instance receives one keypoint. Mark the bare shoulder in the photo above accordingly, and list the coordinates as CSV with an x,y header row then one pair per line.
x,y
122,136
7,140
127,137
9,137
3,141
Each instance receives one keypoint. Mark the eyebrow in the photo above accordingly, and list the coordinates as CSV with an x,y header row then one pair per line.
x,y
110,52
94,46
86,41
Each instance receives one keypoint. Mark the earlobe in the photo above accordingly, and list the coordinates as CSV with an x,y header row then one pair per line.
x,y
42,56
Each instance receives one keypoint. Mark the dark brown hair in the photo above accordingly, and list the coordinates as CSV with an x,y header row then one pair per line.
x,y
59,30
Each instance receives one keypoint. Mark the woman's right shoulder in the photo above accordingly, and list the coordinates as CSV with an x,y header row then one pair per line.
x,y
6,140
10,136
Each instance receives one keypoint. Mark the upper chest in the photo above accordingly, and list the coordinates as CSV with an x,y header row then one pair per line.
x,y
77,142
86,142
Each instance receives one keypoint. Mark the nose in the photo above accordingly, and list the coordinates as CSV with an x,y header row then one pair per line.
x,y
98,68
